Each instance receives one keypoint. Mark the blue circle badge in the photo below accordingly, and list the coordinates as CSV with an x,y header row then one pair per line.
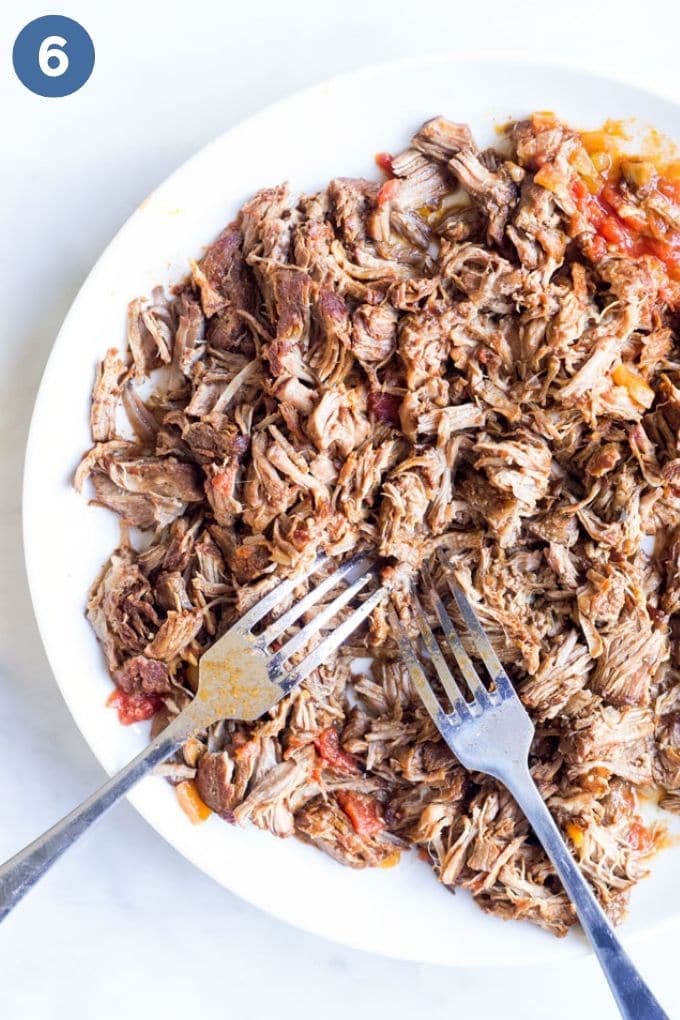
x,y
53,56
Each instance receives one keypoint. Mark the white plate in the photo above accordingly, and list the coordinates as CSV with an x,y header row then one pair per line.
x,y
333,129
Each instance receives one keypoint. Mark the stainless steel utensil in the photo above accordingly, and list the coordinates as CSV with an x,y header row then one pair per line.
x,y
240,677
492,733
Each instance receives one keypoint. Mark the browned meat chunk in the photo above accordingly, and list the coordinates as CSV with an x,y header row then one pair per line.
x,y
213,780
140,675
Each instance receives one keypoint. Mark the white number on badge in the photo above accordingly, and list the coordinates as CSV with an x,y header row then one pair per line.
x,y
49,52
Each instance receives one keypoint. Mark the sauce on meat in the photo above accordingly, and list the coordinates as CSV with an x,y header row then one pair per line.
x,y
619,200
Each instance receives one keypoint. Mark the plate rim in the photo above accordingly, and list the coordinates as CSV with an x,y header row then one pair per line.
x,y
522,58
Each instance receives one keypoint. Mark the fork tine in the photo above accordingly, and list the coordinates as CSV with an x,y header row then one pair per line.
x,y
276,595
332,641
416,672
464,661
477,635
445,675
323,616
356,566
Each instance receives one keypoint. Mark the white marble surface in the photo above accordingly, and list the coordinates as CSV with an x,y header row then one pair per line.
x,y
123,924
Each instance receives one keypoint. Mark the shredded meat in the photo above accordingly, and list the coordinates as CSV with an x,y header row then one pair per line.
x,y
452,359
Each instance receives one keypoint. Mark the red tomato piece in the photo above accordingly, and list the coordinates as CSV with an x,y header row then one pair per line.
x,y
384,161
612,196
579,190
363,812
328,747
595,213
661,249
620,223
133,708
613,232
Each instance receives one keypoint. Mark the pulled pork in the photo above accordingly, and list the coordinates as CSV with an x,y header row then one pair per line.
x,y
476,355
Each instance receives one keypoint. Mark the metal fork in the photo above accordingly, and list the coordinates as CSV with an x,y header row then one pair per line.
x,y
492,733
241,676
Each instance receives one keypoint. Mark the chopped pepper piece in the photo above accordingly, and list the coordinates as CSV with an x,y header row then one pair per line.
x,y
191,803
638,389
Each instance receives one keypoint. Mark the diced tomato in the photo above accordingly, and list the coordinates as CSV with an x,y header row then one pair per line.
x,y
363,812
622,225
612,231
133,708
388,192
588,204
595,213
612,201
328,746
635,222
639,836
579,190
612,196
384,161
661,249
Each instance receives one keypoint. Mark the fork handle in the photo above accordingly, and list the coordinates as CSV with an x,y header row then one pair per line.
x,y
21,872
633,997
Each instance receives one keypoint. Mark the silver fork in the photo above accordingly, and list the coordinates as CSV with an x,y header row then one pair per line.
x,y
240,677
492,733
